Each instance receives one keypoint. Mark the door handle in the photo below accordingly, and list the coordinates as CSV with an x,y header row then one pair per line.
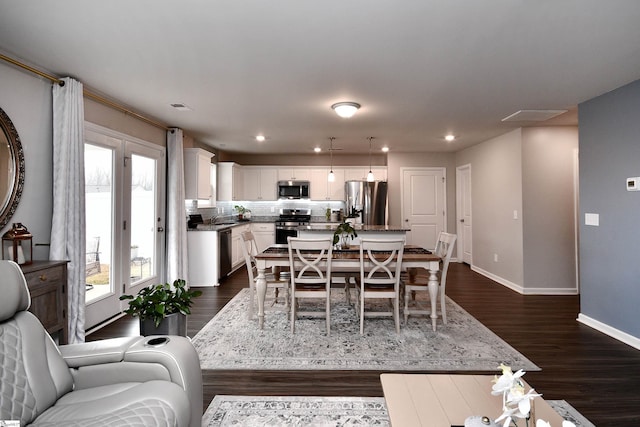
x,y
462,220
160,229
406,220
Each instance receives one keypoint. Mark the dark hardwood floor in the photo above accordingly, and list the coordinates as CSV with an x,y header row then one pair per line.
x,y
596,374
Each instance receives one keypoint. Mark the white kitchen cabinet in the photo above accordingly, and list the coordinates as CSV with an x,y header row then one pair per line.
x,y
264,233
230,181
294,174
322,189
260,183
360,173
202,250
237,256
197,174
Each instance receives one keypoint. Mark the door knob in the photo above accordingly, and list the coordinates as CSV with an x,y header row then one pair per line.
x,y
160,229
462,220
406,220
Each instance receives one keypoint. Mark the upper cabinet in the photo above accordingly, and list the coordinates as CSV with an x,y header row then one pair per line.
x,y
230,181
294,174
322,188
197,174
260,183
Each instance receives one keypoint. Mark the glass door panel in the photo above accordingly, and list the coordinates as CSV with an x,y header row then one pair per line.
x,y
99,220
143,218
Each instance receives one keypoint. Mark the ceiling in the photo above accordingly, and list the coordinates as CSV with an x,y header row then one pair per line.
x,y
419,68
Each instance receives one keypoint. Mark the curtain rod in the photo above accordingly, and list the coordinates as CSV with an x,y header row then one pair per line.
x,y
85,92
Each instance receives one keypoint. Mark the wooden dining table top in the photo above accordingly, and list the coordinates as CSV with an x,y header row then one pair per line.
x,y
411,253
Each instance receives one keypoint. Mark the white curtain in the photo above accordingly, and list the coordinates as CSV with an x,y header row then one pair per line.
x,y
68,222
176,234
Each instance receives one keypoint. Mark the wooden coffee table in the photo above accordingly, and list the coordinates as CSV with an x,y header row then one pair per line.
x,y
447,400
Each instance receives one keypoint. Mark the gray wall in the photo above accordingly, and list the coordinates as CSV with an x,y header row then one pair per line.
x,y
496,187
27,101
610,253
549,172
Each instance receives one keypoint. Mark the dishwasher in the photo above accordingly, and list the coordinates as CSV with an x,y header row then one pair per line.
x,y
224,252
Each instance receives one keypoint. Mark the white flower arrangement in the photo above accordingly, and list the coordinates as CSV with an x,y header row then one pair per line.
x,y
515,402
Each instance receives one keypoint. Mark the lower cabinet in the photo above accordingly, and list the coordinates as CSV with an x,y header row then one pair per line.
x,y
237,256
47,283
264,233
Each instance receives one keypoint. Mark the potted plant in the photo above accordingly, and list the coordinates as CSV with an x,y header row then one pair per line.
x,y
242,211
162,308
343,233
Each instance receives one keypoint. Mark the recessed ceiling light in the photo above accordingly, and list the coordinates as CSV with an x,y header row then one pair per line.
x,y
385,149
345,109
317,149
450,138
260,138
181,107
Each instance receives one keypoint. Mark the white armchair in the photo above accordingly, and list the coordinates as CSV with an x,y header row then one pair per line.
x,y
153,381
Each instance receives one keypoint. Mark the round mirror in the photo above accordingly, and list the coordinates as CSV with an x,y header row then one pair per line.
x,y
11,169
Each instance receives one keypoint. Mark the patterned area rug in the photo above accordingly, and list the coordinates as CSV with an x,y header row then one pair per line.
x,y
232,341
257,411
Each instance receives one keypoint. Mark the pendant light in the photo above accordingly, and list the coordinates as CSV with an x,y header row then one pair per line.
x,y
331,176
370,177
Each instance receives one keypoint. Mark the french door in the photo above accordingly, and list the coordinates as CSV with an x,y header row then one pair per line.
x,y
124,193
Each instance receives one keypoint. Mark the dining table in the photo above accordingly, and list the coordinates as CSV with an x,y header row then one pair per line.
x,y
413,257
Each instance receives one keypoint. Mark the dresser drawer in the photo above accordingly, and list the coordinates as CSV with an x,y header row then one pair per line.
x,y
47,283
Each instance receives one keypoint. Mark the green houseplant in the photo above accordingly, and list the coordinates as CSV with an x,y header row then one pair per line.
x,y
343,233
162,308
242,211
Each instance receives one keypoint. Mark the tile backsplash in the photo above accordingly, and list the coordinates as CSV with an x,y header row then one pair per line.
x,y
225,209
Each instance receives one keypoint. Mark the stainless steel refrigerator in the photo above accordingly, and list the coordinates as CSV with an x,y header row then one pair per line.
x,y
367,200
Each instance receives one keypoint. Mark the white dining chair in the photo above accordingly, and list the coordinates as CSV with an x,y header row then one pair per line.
x,y
380,268
250,250
310,268
420,283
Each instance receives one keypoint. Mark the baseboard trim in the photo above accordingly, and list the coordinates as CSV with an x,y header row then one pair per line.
x,y
524,291
610,331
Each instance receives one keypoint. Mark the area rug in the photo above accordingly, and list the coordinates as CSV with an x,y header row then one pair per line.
x,y
262,411
232,341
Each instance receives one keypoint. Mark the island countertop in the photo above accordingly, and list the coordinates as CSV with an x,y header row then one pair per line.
x,y
357,227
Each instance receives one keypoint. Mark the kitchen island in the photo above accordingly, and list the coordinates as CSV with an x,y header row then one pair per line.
x,y
381,232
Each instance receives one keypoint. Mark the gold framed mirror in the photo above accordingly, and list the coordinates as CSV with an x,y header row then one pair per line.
x,y
11,169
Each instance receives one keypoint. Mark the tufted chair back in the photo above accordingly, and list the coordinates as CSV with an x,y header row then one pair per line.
x,y
33,375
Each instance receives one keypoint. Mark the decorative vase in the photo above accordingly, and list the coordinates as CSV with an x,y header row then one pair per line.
x,y
344,239
173,324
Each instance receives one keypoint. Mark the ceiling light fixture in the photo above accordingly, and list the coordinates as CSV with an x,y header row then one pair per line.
x,y
317,149
345,109
331,176
385,149
370,177
260,138
450,138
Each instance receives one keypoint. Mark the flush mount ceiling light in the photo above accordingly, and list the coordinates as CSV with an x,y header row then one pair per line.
x,y
317,149
450,138
385,149
260,138
345,109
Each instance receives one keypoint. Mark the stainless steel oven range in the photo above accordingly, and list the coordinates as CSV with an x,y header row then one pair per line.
x,y
289,221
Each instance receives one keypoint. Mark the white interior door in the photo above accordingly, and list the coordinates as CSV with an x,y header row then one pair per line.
x,y
463,208
423,204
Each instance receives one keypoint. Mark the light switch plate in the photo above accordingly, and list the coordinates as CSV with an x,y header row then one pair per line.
x,y
592,219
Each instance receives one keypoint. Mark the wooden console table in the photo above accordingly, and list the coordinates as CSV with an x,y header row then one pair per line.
x,y
441,400
47,282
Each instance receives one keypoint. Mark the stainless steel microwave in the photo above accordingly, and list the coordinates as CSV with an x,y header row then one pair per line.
x,y
292,190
